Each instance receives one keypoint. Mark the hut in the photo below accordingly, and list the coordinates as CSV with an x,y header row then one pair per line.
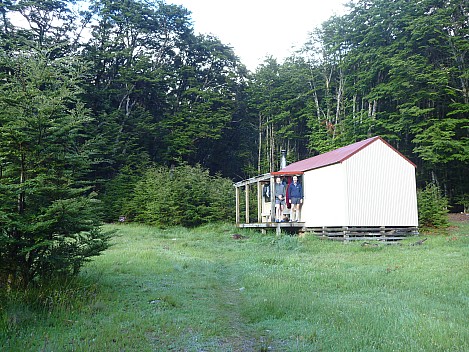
x,y
364,187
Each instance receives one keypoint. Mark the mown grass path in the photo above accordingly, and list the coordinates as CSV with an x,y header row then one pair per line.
x,y
190,284
201,290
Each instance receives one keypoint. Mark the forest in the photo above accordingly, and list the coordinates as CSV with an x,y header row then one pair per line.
x,y
97,95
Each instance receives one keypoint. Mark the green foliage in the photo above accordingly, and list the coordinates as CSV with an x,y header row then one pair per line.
x,y
117,193
49,224
437,142
158,92
432,207
183,195
464,201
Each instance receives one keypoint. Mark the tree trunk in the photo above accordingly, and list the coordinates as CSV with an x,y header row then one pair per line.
x,y
272,149
21,195
339,101
259,152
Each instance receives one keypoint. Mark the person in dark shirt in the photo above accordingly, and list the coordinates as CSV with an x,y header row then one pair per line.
x,y
295,193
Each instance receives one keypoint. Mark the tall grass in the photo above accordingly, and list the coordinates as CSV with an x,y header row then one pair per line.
x,y
201,290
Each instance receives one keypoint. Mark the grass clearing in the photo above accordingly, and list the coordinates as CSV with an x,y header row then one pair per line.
x,y
201,290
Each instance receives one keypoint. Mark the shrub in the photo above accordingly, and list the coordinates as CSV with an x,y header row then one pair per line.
x,y
184,195
464,201
53,243
117,193
432,207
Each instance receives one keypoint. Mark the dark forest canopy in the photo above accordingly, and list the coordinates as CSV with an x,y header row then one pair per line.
x,y
149,91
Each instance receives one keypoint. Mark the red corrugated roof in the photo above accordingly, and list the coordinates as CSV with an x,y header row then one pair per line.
x,y
332,157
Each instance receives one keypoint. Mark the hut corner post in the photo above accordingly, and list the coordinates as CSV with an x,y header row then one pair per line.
x,y
238,218
259,200
238,203
247,203
258,181
272,199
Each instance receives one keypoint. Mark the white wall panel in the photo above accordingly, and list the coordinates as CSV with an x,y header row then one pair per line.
x,y
325,197
381,188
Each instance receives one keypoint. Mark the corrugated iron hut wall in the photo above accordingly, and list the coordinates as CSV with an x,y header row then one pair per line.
x,y
374,187
381,189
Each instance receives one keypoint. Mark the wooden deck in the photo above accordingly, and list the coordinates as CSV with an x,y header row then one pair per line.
x,y
278,226
364,233
337,233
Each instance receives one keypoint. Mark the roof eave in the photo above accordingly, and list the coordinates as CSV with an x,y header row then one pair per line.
x,y
286,173
252,180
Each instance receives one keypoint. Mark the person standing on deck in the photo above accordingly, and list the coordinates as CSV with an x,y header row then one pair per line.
x,y
279,199
295,192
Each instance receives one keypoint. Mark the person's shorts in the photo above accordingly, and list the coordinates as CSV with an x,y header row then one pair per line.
x,y
278,201
295,200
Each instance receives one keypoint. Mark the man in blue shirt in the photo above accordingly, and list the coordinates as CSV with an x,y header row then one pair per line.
x,y
295,193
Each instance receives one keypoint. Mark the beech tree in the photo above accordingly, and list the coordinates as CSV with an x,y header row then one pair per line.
x,y
204,99
159,92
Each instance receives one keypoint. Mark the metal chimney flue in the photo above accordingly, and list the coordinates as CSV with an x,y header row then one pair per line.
x,y
283,159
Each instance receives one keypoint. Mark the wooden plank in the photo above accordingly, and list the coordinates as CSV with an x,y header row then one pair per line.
x,y
273,225
238,220
272,199
364,229
259,202
247,203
